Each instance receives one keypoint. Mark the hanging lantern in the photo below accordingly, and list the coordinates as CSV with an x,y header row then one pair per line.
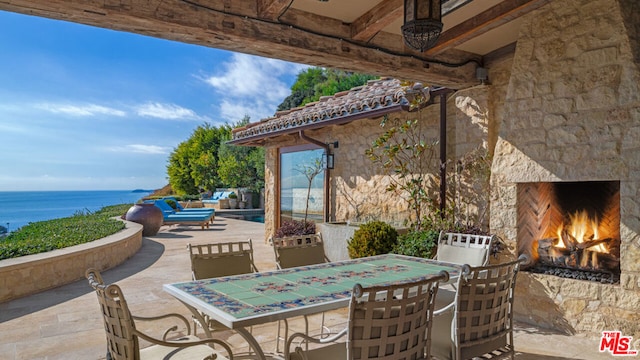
x,y
422,23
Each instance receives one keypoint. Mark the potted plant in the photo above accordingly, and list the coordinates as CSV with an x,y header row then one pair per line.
x,y
233,200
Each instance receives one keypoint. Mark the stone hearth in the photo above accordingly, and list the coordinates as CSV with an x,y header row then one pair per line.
x,y
572,114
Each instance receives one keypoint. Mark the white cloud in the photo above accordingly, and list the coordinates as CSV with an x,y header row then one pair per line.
x,y
167,111
233,111
142,149
251,76
81,110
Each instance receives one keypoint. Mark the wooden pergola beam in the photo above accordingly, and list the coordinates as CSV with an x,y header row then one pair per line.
x,y
370,23
487,20
235,26
272,9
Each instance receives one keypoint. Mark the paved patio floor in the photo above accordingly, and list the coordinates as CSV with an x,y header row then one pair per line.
x,y
64,323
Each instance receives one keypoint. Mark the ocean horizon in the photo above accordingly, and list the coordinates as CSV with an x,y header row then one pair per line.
x,y
19,208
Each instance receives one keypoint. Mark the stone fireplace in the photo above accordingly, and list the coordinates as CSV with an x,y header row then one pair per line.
x,y
568,149
571,229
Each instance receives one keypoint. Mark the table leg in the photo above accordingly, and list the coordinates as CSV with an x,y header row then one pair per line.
x,y
259,353
253,343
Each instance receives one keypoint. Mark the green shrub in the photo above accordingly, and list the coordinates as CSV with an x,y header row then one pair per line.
x,y
82,227
372,238
419,243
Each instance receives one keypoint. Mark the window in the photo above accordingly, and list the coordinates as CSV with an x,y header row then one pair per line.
x,y
301,184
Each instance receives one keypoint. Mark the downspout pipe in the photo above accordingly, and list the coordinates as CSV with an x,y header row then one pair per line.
x,y
327,171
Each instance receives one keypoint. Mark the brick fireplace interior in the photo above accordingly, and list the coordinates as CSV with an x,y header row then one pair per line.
x,y
571,229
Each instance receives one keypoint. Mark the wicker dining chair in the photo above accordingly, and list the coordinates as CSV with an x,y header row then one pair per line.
x,y
217,260
470,249
123,336
480,313
221,259
302,250
390,322
294,251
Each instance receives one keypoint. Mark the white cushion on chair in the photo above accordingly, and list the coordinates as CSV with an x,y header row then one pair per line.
x,y
461,255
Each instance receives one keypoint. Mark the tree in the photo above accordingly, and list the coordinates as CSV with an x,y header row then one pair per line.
x,y
409,161
310,171
193,164
313,83
242,166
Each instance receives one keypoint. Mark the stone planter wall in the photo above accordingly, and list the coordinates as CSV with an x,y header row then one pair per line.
x,y
335,237
31,274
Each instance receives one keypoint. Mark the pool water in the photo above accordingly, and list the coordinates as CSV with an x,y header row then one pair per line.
x,y
255,218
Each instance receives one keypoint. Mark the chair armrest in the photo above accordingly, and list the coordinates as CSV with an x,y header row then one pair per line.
x,y
305,337
165,316
186,342
445,309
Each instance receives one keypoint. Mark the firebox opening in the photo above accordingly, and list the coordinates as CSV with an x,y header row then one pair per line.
x,y
571,229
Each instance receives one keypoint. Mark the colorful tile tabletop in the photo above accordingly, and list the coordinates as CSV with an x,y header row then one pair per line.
x,y
254,294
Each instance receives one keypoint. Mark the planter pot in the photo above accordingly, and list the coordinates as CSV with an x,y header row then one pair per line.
x,y
233,203
147,215
224,203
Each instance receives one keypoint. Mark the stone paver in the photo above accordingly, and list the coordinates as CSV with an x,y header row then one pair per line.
x,y
65,323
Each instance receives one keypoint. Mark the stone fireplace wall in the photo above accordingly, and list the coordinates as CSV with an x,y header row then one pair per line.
x,y
572,113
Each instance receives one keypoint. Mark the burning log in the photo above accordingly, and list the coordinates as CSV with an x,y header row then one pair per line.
x,y
589,243
568,240
577,255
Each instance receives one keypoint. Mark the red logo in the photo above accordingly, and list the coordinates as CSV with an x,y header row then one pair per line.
x,y
616,344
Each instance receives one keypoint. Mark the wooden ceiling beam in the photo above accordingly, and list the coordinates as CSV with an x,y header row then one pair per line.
x,y
234,26
272,9
490,19
373,21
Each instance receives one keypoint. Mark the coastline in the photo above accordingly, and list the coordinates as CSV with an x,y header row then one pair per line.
x,y
20,208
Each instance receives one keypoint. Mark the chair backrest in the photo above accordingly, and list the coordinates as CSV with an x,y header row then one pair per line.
x,y
301,250
473,250
122,344
221,259
483,315
175,201
392,322
166,208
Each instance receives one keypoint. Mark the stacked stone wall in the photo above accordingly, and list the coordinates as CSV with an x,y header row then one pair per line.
x,y
572,113
357,185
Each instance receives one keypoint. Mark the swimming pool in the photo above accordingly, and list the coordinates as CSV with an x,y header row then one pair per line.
x,y
254,218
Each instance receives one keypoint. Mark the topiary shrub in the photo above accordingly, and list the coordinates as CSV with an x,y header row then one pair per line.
x,y
419,243
372,238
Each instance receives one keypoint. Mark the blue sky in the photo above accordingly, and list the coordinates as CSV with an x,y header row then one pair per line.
x,y
84,108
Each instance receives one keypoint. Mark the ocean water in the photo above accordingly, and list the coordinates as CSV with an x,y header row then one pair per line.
x,y
19,208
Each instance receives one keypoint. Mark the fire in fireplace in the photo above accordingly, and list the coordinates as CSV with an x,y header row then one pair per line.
x,y
571,229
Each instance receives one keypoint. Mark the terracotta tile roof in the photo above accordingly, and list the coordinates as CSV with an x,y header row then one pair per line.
x,y
376,98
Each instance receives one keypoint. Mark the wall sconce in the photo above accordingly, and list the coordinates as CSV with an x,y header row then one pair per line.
x,y
422,23
327,160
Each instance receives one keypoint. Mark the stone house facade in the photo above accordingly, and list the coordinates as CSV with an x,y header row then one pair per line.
x,y
561,106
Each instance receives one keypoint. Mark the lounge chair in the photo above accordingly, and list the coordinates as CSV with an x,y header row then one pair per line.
x,y
194,219
167,209
182,210
171,217
216,197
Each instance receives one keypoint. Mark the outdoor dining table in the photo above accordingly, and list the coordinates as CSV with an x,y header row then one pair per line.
x,y
241,301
